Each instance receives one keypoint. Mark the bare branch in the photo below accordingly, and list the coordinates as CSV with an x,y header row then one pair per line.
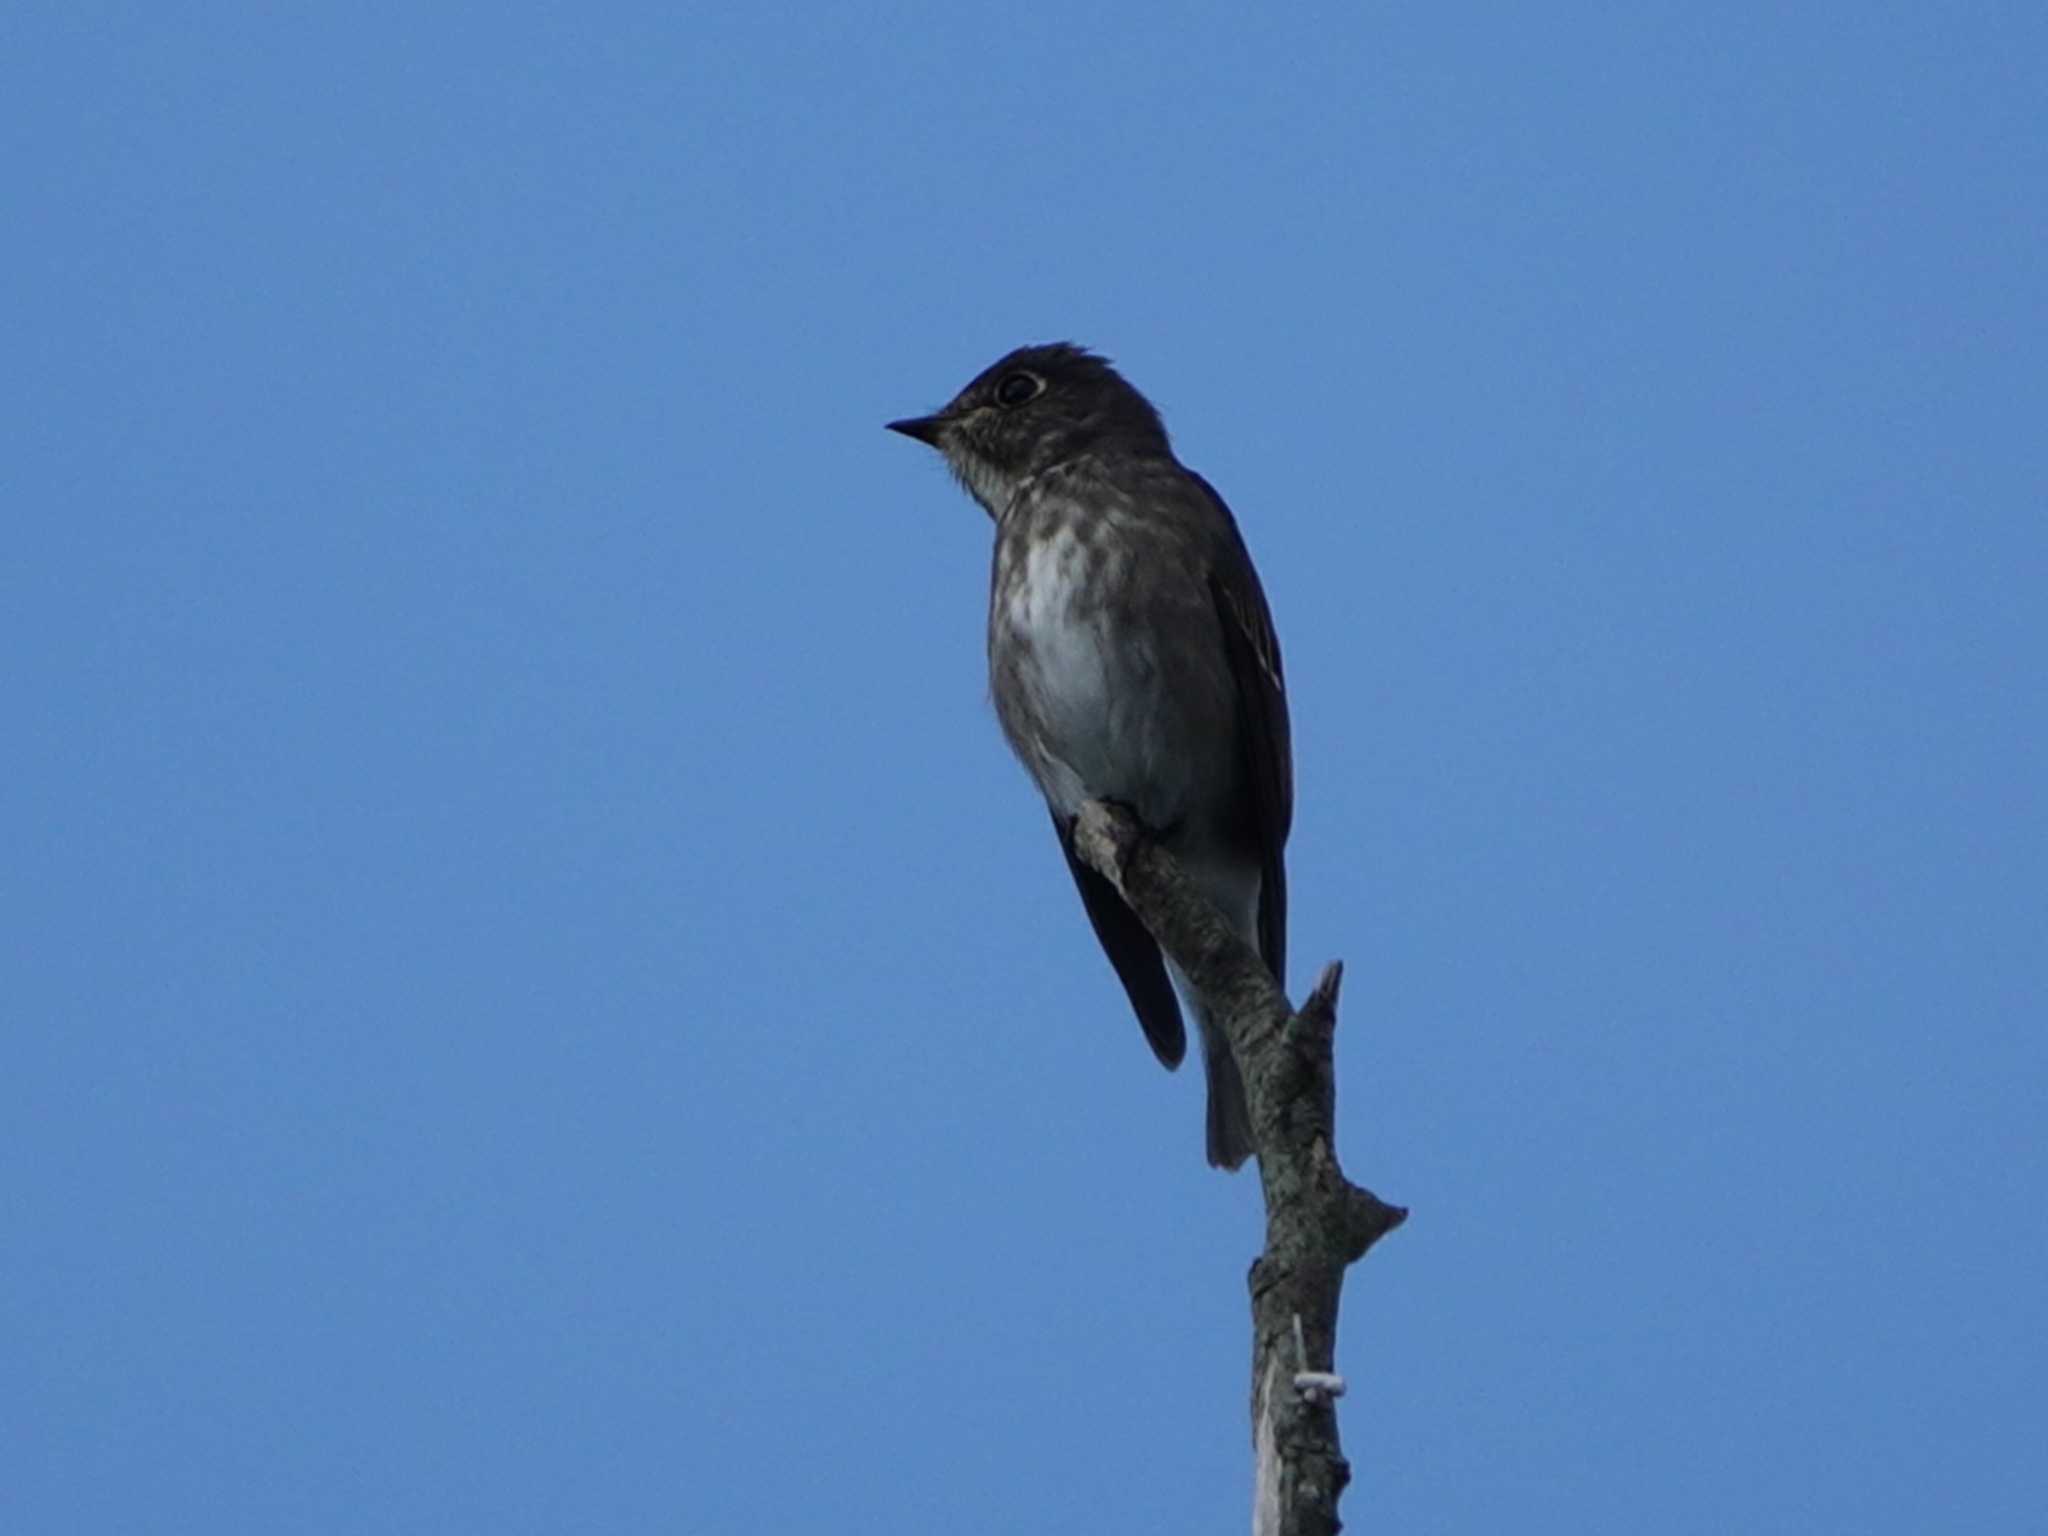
x,y
1317,1221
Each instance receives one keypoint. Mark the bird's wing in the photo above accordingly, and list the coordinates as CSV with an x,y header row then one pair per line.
x,y
1134,954
1254,653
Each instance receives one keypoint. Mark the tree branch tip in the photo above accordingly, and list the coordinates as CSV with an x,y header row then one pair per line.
x,y
1103,836
1368,1218
1319,1012
1327,985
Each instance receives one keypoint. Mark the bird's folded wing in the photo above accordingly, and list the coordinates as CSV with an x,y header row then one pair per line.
x,y
1135,955
1254,652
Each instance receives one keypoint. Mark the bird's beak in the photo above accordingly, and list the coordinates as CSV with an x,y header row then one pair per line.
x,y
925,429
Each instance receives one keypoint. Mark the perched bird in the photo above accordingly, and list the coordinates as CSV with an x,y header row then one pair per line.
x,y
1132,658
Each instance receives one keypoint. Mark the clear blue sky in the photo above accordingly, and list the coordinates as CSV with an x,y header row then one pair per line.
x,y
535,1000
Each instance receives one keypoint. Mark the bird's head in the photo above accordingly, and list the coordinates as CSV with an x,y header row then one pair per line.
x,y
1035,408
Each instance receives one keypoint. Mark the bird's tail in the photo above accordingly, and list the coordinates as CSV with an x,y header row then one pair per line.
x,y
1230,1117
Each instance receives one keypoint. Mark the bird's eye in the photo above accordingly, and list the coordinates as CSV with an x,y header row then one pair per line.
x,y
1016,388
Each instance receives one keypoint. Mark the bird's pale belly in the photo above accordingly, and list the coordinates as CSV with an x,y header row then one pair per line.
x,y
1098,713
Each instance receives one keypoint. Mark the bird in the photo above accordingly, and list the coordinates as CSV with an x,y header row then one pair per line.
x,y
1132,659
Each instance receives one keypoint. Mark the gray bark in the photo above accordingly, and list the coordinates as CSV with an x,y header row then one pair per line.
x,y
1318,1222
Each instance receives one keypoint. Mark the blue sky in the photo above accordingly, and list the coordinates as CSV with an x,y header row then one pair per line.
x,y
536,1001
